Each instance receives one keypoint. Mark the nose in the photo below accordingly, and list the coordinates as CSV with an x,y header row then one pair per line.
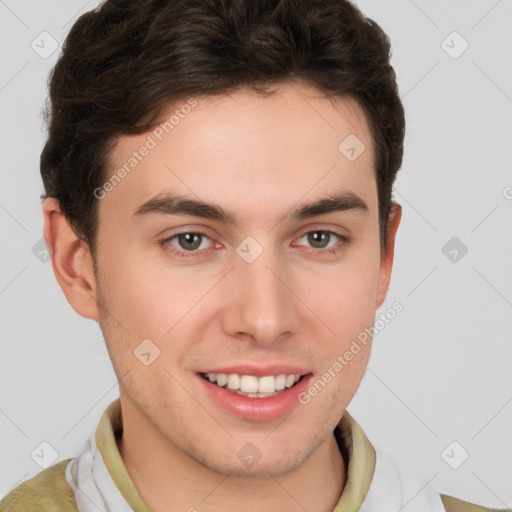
x,y
263,305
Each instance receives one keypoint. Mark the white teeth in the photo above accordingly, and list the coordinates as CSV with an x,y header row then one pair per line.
x,y
267,384
233,381
251,385
280,382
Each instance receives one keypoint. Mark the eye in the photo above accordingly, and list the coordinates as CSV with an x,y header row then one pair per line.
x,y
185,244
320,239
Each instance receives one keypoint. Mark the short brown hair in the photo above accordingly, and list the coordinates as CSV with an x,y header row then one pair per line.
x,y
124,62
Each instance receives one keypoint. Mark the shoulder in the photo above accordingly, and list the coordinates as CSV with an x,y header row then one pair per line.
x,y
452,504
48,491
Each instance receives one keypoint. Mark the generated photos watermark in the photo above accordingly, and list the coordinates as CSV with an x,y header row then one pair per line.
x,y
152,141
355,348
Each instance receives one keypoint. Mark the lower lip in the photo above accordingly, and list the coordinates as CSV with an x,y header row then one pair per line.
x,y
257,409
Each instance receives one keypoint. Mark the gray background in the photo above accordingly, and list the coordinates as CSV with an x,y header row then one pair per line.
x,y
439,372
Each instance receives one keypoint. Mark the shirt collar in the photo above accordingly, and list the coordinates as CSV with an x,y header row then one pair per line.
x,y
354,447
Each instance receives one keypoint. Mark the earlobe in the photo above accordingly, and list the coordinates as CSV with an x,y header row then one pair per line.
x,y
71,260
386,262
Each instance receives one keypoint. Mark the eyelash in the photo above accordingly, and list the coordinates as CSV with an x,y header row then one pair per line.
x,y
166,243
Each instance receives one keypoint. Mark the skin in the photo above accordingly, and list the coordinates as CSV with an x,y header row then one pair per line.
x,y
257,157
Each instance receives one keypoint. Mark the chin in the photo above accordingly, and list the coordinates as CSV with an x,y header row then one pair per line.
x,y
247,460
260,468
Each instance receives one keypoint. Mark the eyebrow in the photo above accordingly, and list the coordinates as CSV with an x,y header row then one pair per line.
x,y
176,204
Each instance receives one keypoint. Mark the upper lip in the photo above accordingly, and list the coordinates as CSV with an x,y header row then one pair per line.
x,y
260,371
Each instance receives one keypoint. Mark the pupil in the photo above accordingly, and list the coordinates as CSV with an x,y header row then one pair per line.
x,y
188,238
315,240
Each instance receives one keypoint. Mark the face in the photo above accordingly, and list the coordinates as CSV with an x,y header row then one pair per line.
x,y
254,286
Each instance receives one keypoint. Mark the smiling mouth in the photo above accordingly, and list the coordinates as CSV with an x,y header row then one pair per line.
x,y
252,386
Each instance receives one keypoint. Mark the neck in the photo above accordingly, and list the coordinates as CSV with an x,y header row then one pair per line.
x,y
169,480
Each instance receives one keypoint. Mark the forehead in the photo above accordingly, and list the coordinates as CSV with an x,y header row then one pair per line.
x,y
259,154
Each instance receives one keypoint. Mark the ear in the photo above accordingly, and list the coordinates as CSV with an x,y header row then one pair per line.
x,y
71,260
386,260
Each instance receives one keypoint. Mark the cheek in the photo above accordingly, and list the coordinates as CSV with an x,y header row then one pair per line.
x,y
344,296
146,297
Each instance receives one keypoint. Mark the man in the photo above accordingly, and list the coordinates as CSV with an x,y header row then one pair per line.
x,y
218,184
